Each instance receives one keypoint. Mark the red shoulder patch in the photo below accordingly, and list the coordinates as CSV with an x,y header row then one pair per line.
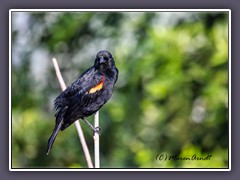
x,y
97,87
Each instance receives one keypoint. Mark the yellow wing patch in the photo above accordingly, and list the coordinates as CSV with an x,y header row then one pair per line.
x,y
97,87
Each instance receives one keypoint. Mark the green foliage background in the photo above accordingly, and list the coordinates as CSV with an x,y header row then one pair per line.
x,y
171,97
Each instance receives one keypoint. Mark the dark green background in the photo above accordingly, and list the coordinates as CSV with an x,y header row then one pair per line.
x,y
171,96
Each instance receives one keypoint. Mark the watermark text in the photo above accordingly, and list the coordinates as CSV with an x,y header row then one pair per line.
x,y
194,157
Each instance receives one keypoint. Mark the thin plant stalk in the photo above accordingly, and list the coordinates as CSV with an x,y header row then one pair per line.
x,y
96,141
77,123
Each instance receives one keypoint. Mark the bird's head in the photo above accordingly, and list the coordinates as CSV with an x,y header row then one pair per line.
x,y
104,60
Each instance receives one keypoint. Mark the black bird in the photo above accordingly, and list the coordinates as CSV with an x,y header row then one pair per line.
x,y
86,95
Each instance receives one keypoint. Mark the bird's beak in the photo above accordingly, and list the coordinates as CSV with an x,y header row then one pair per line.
x,y
102,60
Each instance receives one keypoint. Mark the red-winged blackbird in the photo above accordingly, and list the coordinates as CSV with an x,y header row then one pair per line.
x,y
86,95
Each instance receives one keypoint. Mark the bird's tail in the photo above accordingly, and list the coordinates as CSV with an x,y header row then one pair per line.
x,y
53,136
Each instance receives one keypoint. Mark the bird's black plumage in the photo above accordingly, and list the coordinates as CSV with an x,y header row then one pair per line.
x,y
86,95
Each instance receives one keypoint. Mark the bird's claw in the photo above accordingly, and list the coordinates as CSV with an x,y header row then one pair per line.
x,y
96,130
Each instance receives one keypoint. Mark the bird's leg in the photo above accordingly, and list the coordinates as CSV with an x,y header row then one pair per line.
x,y
95,129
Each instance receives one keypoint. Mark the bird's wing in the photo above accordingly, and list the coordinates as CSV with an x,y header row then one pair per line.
x,y
88,83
